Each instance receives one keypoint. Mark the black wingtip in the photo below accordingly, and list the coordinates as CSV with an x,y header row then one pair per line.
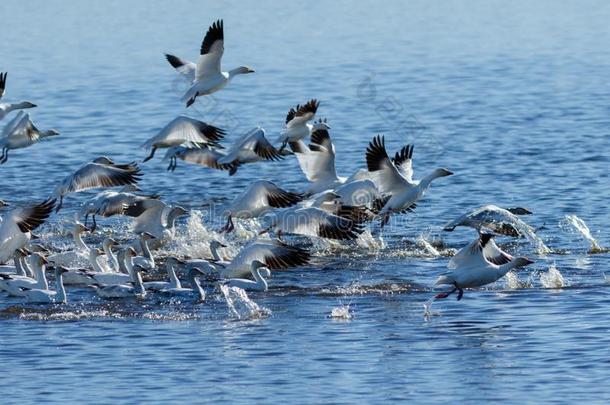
x,y
174,61
214,33
376,153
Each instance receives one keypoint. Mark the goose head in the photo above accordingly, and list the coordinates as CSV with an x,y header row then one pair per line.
x,y
442,172
79,228
103,160
3,204
50,132
174,261
109,242
179,211
244,70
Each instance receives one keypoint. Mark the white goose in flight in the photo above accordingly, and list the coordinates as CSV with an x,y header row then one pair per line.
x,y
481,262
498,220
202,155
17,225
317,160
6,108
101,172
253,146
395,178
206,76
184,130
297,122
20,133
259,198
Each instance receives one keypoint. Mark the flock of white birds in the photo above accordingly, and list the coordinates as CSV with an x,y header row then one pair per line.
x,y
330,207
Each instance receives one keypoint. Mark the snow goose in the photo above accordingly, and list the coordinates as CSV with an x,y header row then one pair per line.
x,y
80,253
104,276
260,197
203,264
395,178
317,161
46,296
193,278
481,262
6,108
21,134
251,147
498,220
202,155
147,260
154,217
297,122
17,225
184,131
125,290
101,172
13,284
109,203
170,267
259,272
313,221
208,77
274,253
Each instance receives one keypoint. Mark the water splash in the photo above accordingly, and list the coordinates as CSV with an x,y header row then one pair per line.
x,y
514,283
423,243
428,313
342,313
552,278
240,305
580,226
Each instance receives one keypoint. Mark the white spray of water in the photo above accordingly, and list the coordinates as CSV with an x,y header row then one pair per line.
x,y
514,283
580,226
240,305
552,278
342,312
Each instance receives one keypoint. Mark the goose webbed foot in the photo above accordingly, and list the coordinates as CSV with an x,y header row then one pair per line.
x,y
152,153
94,224
281,149
4,156
384,220
445,294
460,293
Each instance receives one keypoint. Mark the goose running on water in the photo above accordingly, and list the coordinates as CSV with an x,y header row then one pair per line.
x,y
395,178
47,296
498,220
480,263
184,131
154,217
101,172
206,76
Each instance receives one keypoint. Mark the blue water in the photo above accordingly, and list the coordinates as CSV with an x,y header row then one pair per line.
x,y
512,97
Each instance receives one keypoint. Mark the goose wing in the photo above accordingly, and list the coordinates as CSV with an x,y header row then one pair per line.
x,y
184,67
389,179
25,219
274,253
317,161
302,113
403,160
314,221
95,175
253,141
264,194
211,52
186,130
